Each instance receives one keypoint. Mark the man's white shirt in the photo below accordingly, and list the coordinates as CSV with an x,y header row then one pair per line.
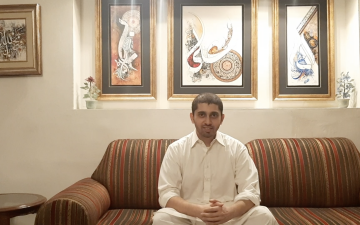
x,y
198,173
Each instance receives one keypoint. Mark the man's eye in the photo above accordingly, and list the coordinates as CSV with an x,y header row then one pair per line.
x,y
201,114
214,115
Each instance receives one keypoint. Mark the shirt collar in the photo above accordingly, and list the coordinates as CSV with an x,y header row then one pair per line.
x,y
195,138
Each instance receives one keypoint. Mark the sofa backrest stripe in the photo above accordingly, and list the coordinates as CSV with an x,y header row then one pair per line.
x,y
307,172
129,170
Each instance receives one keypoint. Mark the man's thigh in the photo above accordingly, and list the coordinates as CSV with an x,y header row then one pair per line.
x,y
161,218
256,215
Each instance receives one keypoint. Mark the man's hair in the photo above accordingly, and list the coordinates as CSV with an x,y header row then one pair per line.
x,y
209,98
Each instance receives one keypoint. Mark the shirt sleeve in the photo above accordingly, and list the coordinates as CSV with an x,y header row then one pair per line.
x,y
170,178
246,177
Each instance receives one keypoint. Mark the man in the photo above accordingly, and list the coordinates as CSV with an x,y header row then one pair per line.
x,y
200,172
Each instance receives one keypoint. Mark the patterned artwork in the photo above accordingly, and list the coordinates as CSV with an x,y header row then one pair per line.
x,y
212,45
12,40
303,39
125,45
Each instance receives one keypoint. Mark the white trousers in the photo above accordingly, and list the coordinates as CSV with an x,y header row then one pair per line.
x,y
258,215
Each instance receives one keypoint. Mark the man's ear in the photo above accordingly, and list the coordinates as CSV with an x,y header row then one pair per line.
x,y
222,118
192,117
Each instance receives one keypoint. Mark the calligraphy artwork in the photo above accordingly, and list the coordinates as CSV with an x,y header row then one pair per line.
x,y
125,45
212,48
125,49
303,50
12,40
303,57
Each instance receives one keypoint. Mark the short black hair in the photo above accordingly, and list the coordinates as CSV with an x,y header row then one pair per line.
x,y
209,98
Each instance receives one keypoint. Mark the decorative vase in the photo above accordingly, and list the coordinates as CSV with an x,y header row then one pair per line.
x,y
343,103
91,104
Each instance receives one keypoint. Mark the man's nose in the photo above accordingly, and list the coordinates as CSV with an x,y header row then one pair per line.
x,y
208,120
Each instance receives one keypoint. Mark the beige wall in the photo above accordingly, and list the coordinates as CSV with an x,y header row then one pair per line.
x,y
46,145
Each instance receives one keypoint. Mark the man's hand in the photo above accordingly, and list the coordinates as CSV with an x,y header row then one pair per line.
x,y
215,213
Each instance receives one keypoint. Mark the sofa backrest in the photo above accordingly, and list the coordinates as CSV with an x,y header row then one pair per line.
x,y
129,170
307,172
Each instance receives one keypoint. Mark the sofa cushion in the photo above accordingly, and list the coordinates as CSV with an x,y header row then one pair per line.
x,y
127,216
129,170
307,172
287,216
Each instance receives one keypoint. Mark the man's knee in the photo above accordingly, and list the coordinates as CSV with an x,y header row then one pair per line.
x,y
265,214
263,210
160,218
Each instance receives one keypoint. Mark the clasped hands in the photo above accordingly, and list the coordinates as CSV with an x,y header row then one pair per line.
x,y
215,213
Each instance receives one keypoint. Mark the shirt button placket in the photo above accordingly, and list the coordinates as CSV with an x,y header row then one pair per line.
x,y
207,179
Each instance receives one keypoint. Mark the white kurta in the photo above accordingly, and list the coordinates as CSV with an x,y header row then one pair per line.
x,y
198,173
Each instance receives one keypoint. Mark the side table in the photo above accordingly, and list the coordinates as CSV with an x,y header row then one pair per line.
x,y
18,204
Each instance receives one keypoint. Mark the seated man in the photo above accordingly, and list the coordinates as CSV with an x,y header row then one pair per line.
x,y
201,171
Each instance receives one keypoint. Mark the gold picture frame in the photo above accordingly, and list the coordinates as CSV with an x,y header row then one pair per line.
x,y
20,40
125,51
245,20
303,55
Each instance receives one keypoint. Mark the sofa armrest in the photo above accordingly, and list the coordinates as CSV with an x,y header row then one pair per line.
x,y
83,203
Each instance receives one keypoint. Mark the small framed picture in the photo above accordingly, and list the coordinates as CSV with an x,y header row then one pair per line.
x,y
20,40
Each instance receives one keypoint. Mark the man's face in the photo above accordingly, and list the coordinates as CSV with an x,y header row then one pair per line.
x,y
207,119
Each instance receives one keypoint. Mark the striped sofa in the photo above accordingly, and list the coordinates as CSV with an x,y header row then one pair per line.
x,y
302,181
309,180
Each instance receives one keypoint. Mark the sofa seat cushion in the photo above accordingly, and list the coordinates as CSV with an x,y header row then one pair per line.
x,y
345,215
127,217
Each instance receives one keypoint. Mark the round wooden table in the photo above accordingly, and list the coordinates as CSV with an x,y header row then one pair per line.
x,y
18,204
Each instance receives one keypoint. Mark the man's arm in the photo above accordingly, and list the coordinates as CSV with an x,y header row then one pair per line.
x,y
184,207
239,208
170,178
246,177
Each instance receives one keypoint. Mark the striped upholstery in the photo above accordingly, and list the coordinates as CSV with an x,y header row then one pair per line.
x,y
300,216
127,217
129,171
82,203
307,172
302,181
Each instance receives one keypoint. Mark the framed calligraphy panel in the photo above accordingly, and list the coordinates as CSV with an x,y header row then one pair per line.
x,y
212,48
125,49
303,50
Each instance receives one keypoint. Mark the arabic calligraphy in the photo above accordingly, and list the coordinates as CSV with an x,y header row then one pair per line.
x,y
303,45
212,45
12,40
126,45
228,68
131,21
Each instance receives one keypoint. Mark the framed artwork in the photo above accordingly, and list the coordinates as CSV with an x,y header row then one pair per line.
x,y
303,50
125,49
212,47
20,40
